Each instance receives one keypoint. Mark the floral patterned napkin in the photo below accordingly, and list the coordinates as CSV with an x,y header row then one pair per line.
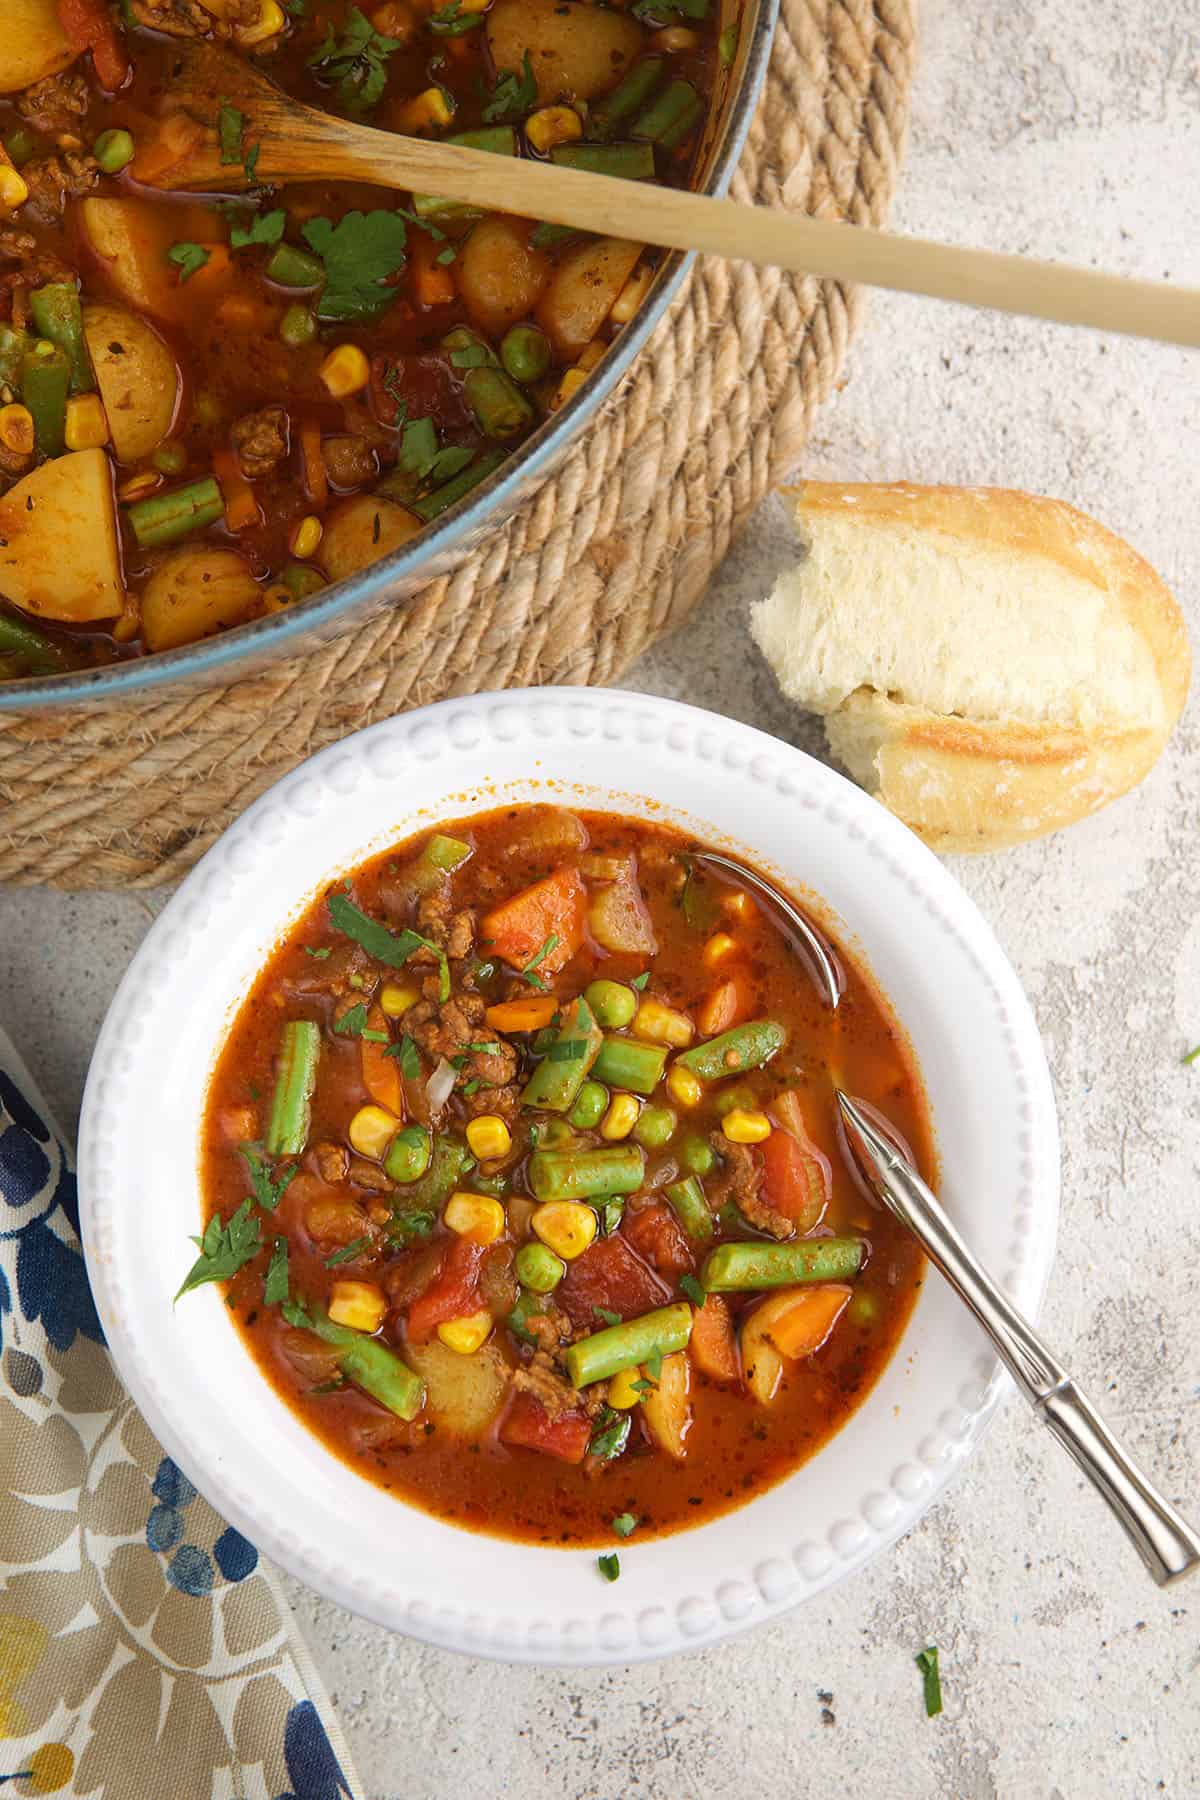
x,y
145,1652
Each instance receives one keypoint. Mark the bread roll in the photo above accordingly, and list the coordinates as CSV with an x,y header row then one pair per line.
x,y
990,665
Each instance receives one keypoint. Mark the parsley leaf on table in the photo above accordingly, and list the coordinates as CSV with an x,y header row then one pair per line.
x,y
609,1565
358,253
356,64
224,1249
927,1662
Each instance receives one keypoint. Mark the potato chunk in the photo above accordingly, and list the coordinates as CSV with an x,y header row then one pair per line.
x,y
362,530
194,593
32,44
137,376
581,295
60,555
500,275
575,50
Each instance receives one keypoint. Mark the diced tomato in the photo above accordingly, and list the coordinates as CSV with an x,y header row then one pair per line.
x,y
797,1179
452,1294
726,1005
89,26
519,928
712,1344
529,1426
656,1234
611,1275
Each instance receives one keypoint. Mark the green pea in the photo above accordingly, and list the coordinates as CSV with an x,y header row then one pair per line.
x,y
863,1309
170,458
113,150
408,1157
741,1098
301,580
655,1126
554,1134
525,353
297,327
698,1156
538,1268
590,1106
612,1002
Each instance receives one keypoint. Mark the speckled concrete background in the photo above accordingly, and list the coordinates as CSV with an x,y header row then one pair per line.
x,y
1068,130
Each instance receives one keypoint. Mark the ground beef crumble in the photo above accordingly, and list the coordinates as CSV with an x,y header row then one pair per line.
x,y
738,1177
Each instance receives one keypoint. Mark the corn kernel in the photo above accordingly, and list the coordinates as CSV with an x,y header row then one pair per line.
x,y
476,1216
397,997
394,20
631,295
359,1304
565,1226
674,39
16,430
742,1127
659,1024
467,1335
87,424
371,1131
489,1137
269,23
277,598
345,371
305,539
14,189
684,1087
139,485
620,1118
591,354
739,903
430,110
553,125
719,946
621,1392
572,381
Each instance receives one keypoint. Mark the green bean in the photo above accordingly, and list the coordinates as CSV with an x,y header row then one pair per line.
x,y
698,1155
439,856
13,348
630,162
626,99
556,1081
371,1366
655,1126
586,1174
635,1341
298,326
21,146
628,1063
525,353
430,506
670,115
170,458
408,1154
498,404
468,350
114,151
293,268
590,1106
165,518
299,1055
58,316
738,1268
45,384
499,140
613,1003
691,1208
745,1047
538,1268
40,655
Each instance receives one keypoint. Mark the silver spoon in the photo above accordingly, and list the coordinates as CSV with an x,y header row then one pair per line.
x,y
1165,1541
815,949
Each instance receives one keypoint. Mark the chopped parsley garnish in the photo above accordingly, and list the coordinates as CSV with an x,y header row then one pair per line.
x,y
513,95
451,21
189,259
318,955
359,253
348,1252
296,1313
1191,1056
609,1565
609,1317
264,229
696,901
406,1226
691,1287
392,948
545,235
644,1386
482,1049
446,255
611,1436
224,1249
250,161
539,956
653,1364
625,1524
471,1087
356,64
275,1288
408,1056
268,1189
639,981
927,1662
354,1024
230,126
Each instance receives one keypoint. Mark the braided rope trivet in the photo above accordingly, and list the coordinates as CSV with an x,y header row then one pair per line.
x,y
608,555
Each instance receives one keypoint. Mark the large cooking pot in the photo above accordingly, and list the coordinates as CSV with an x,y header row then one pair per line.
x,y
441,548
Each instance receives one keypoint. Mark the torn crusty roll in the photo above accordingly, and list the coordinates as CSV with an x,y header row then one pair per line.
x,y
989,664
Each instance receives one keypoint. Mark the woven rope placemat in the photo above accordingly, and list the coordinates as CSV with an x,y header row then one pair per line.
x,y
609,554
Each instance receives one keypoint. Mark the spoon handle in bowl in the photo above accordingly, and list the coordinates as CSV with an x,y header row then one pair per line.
x,y
1167,1544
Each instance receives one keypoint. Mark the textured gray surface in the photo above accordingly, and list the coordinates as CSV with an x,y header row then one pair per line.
x,y
1069,131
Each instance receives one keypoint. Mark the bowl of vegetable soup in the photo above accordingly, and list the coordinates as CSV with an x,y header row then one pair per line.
x,y
463,1193
231,423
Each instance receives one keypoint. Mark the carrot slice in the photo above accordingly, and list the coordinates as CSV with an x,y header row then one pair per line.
x,y
520,929
801,1328
523,1015
381,1072
712,1344
433,284
316,480
241,508
89,26
727,1005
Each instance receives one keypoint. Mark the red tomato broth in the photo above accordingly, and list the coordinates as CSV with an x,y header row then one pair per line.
x,y
736,1448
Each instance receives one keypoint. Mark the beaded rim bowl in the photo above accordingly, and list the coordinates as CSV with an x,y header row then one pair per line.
x,y
882,892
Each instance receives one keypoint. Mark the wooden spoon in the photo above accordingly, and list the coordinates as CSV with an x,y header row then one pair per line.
x,y
297,143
